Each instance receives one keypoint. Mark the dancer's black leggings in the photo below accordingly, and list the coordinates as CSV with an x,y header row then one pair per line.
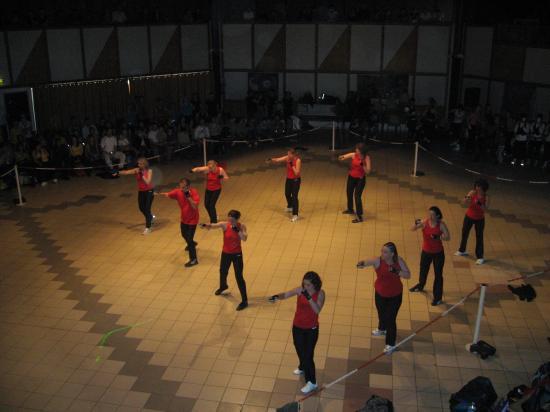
x,y
225,263
387,315
145,201
304,342
210,199
292,187
438,260
466,227
355,189
188,232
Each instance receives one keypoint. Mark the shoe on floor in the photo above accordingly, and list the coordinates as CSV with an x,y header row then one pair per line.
x,y
309,387
219,291
187,247
436,302
191,263
298,372
378,332
146,231
390,349
242,305
288,209
416,288
294,218
480,261
459,253
357,220
348,212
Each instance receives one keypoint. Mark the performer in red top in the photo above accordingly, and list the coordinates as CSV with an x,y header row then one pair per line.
x,y
388,295
477,201
434,231
144,177
293,180
214,176
188,201
305,327
359,168
233,233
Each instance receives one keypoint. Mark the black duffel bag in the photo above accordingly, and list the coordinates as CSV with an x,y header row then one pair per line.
x,y
478,395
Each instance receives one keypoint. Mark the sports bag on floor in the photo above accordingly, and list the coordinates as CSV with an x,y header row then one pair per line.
x,y
477,395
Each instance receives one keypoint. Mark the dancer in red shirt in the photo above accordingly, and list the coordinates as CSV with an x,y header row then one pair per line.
x,y
214,176
144,177
434,232
233,233
477,201
305,327
360,167
293,180
388,295
188,201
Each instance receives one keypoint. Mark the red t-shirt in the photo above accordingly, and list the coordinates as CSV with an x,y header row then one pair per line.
x,y
289,171
430,245
356,168
142,185
474,210
189,216
231,240
387,284
213,181
305,317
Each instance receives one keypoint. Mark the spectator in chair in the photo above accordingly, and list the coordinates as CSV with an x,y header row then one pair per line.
x,y
110,150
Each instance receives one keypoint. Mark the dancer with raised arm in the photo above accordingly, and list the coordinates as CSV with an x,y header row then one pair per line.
x,y
144,177
305,327
293,180
188,201
360,166
388,291
434,232
233,233
477,201
214,176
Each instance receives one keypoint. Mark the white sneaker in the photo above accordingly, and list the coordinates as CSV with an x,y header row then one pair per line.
x,y
288,209
294,218
55,180
480,261
309,387
388,349
146,231
298,372
378,332
459,253
43,184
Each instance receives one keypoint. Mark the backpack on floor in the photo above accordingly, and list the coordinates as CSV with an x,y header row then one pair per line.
x,y
377,404
478,395
539,399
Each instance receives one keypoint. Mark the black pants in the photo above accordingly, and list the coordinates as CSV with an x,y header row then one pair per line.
x,y
387,315
292,187
355,189
225,263
304,342
145,201
210,199
188,232
466,226
520,149
438,260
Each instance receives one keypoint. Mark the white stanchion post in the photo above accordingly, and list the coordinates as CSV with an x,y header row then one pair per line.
x,y
479,316
20,197
415,158
333,135
204,150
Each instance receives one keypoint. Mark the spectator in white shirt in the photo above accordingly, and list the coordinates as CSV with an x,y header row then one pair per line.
x,y
201,131
110,150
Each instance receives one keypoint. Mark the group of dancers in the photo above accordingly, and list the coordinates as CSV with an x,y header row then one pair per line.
x,y
389,267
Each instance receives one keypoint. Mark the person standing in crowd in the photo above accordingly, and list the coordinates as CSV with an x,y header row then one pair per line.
x,y
214,176
360,167
412,119
305,327
388,295
457,127
477,201
188,201
144,177
537,133
233,233
521,135
110,150
293,180
434,231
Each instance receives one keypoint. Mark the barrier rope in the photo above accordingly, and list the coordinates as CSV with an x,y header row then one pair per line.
x,y
8,172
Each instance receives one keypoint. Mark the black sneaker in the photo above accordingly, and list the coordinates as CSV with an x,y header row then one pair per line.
x,y
219,291
436,302
416,288
242,305
348,212
187,247
191,263
357,220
